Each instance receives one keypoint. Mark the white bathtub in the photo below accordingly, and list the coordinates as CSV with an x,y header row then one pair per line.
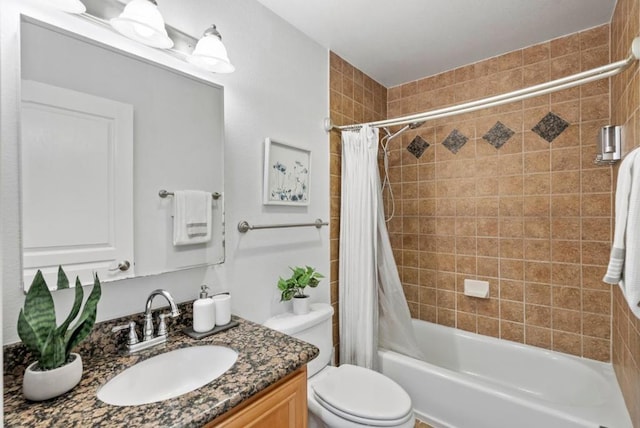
x,y
473,381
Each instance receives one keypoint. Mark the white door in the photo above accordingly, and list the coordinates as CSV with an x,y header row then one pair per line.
x,y
77,184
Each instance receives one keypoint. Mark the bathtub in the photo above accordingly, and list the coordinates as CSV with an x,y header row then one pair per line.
x,y
471,381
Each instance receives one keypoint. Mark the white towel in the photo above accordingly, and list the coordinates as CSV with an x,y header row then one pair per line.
x,y
624,268
191,217
623,193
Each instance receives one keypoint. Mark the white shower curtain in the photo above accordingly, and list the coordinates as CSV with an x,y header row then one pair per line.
x,y
358,247
372,304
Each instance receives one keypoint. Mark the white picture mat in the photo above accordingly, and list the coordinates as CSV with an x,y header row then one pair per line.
x,y
287,174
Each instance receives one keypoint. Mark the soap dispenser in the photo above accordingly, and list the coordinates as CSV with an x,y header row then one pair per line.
x,y
204,316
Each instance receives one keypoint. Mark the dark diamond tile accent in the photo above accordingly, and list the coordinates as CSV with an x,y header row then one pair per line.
x,y
417,146
498,135
550,127
454,141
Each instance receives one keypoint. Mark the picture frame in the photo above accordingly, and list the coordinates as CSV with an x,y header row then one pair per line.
x,y
287,174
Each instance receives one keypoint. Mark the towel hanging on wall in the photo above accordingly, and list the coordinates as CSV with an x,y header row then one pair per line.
x,y
192,217
624,268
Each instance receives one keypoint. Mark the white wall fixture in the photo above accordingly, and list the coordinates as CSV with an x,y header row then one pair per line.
x,y
475,288
210,53
142,21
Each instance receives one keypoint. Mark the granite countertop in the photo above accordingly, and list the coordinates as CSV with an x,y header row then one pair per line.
x,y
264,357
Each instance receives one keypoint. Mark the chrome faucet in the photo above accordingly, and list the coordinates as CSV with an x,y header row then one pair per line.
x,y
148,319
148,340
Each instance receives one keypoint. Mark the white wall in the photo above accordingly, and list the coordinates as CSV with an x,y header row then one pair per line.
x,y
279,90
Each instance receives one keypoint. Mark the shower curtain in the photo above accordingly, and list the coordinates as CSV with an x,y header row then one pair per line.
x,y
373,309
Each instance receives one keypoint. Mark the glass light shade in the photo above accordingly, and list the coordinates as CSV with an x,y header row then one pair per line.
x,y
70,6
211,55
141,21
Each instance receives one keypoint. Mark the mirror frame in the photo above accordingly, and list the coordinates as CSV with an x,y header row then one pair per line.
x,y
12,14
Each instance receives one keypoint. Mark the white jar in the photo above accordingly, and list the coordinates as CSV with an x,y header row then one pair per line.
x,y
223,308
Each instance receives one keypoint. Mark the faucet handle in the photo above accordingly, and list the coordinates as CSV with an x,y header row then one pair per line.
x,y
162,325
133,336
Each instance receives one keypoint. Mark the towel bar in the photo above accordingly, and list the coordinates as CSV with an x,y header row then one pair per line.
x,y
163,194
244,226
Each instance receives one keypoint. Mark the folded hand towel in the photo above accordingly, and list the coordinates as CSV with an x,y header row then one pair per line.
x,y
623,266
192,217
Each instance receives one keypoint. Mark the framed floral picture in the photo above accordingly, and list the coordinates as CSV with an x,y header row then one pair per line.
x,y
286,174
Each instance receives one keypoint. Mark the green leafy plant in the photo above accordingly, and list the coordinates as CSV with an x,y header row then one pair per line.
x,y
300,278
37,328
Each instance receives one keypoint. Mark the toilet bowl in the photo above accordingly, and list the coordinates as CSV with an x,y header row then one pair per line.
x,y
347,396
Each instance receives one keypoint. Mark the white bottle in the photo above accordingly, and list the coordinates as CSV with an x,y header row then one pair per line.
x,y
204,313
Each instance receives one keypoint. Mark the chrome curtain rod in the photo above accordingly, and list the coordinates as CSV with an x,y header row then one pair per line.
x,y
163,194
244,226
581,78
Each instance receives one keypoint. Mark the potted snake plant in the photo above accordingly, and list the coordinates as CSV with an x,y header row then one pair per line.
x,y
293,287
57,370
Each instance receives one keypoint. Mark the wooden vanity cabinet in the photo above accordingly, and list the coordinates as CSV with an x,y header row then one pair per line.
x,y
282,405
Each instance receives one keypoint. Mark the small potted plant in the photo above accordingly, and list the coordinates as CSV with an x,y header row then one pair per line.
x,y
56,370
293,287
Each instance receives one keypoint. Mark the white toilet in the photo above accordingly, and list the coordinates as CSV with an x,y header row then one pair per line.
x,y
347,396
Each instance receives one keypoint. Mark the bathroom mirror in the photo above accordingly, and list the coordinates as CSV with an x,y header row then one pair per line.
x,y
102,132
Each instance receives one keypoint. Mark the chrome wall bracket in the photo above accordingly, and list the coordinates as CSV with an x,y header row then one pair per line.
x,y
609,145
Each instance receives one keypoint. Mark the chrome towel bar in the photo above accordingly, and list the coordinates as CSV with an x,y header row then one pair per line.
x,y
163,194
244,226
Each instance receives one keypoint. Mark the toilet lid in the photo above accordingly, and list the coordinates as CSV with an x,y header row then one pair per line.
x,y
361,394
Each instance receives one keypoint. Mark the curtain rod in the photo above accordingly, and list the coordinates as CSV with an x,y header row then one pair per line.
x,y
581,78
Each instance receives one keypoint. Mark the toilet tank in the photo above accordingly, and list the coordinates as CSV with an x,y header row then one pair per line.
x,y
314,328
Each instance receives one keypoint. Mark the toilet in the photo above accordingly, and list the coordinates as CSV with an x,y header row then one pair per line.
x,y
347,396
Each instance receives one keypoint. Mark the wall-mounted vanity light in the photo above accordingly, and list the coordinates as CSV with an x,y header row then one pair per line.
x,y
142,21
70,6
210,53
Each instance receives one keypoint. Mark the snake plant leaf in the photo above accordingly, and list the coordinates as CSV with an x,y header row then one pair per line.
x,y
53,353
39,310
63,281
75,310
84,325
28,335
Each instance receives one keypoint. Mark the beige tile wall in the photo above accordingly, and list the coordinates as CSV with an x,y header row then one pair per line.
x,y
625,111
533,218
354,98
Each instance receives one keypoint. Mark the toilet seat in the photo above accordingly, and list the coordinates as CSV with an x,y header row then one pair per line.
x,y
363,396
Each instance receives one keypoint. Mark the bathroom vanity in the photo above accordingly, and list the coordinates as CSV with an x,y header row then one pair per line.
x,y
281,405
267,383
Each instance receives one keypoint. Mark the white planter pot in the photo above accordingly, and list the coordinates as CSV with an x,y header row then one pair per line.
x,y
300,305
43,385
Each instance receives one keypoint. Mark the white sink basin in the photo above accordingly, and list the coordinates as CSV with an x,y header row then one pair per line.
x,y
167,375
